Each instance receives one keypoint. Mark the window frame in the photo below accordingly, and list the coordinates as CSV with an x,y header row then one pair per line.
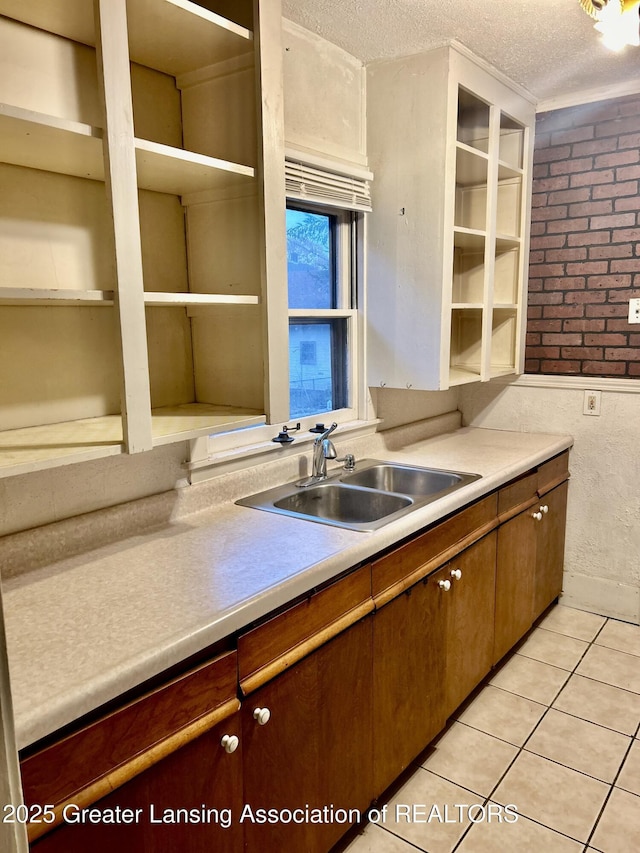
x,y
345,244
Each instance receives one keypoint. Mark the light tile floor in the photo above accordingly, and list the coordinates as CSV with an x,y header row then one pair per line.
x,y
555,733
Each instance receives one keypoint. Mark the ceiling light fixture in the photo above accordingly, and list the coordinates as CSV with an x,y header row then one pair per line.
x,y
617,20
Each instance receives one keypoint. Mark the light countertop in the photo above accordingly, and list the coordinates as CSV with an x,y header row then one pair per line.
x,y
85,630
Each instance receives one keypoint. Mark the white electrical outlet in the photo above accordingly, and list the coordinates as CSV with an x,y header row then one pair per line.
x,y
591,404
634,310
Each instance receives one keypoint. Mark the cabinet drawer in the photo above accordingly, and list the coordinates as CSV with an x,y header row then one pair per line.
x,y
90,763
516,496
397,571
553,472
272,647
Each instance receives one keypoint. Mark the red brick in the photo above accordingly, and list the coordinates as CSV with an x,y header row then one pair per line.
x,y
589,239
565,225
562,340
535,284
583,297
534,312
622,354
588,179
543,185
626,266
609,281
588,268
596,146
621,295
622,325
555,241
545,298
581,352
548,270
583,326
615,190
544,325
544,352
576,134
616,220
634,340
548,155
630,203
627,173
566,196
563,367
569,167
538,228
563,311
626,235
610,251
629,140
605,340
536,257
602,368
560,211
590,208
606,310
532,339
634,369
565,283
541,170
618,126
578,254
532,365
539,200
618,158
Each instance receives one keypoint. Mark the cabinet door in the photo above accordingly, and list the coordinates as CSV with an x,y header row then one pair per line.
x,y
315,749
200,776
470,620
515,578
550,548
408,677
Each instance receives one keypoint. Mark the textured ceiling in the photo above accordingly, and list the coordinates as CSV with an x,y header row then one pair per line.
x,y
548,46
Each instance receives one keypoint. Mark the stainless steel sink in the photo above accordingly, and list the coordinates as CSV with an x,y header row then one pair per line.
x,y
373,495
407,479
339,502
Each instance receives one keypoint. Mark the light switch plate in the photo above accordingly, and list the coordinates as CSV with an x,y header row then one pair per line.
x,y
634,310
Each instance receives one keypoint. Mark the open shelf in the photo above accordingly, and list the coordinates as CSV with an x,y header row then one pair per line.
x,y
173,36
61,298
173,423
511,143
473,120
49,143
471,166
503,341
466,345
197,299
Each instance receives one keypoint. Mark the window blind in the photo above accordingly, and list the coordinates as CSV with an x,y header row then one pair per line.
x,y
309,184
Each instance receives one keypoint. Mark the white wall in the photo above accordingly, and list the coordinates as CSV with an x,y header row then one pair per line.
x,y
602,558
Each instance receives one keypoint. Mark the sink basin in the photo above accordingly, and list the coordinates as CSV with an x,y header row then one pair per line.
x,y
337,502
407,479
374,494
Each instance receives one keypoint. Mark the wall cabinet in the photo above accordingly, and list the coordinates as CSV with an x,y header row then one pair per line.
x,y
448,238
339,692
141,155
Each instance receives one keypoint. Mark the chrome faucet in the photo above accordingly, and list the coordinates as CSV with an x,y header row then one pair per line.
x,y
323,449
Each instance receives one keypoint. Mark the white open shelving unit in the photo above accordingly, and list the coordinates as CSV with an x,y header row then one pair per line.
x,y
122,196
448,232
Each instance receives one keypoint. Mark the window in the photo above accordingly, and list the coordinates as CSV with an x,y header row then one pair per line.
x,y
321,309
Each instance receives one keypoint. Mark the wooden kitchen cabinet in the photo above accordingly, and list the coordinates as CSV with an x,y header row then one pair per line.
x,y
470,615
448,236
141,165
307,724
178,747
530,555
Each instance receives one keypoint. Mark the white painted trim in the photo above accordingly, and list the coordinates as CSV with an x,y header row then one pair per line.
x,y
325,161
577,383
494,72
589,96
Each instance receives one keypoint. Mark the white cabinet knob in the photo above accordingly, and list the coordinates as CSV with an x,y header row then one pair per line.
x,y
230,743
262,716
456,574
537,516
544,509
445,585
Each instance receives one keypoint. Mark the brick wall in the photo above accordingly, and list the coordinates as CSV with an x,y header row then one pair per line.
x,y
585,241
